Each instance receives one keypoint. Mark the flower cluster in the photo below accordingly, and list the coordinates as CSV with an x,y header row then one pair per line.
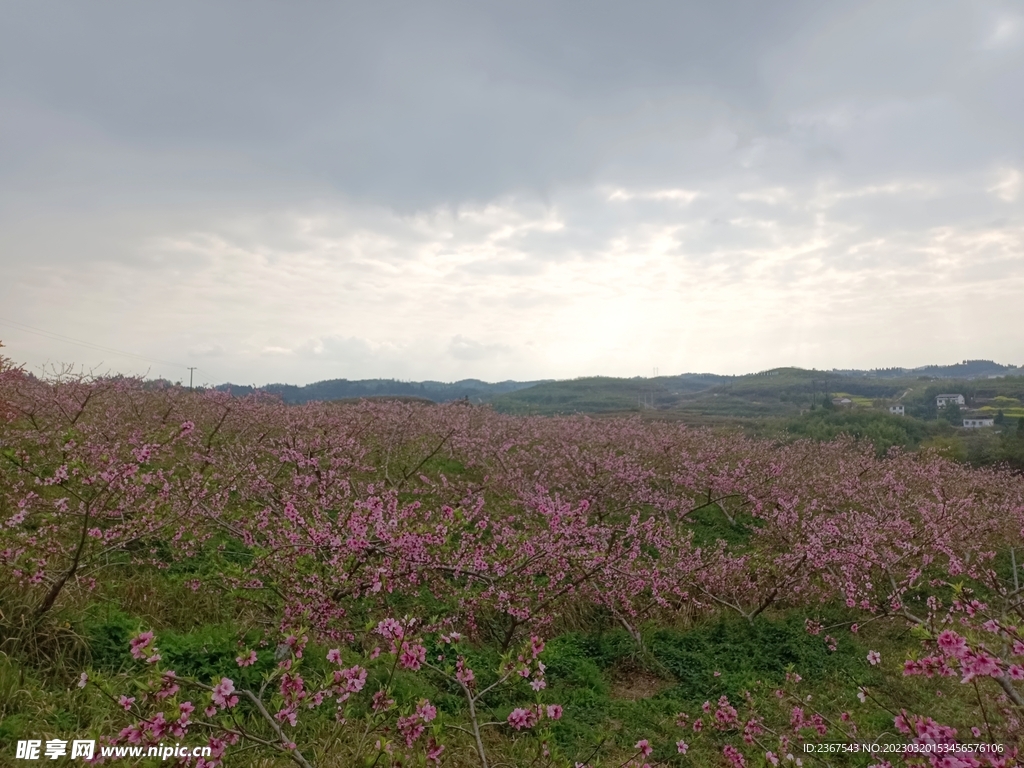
x,y
339,516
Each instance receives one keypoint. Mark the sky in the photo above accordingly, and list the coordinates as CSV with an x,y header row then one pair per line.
x,y
292,192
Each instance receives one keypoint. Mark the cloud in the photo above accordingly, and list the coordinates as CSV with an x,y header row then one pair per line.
x,y
513,190
351,350
683,196
463,348
1008,187
1005,31
206,349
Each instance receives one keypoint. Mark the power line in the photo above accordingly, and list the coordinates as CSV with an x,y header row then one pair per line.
x,y
61,337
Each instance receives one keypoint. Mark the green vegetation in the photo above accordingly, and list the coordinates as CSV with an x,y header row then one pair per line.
x,y
794,403
647,569
604,394
878,427
598,394
612,689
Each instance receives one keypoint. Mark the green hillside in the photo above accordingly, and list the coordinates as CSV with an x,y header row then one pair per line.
x,y
779,392
791,403
604,394
597,394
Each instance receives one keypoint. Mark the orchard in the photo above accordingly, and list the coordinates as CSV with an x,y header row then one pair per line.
x,y
397,584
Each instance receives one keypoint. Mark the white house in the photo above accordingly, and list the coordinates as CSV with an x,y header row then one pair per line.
x,y
976,423
898,410
943,400
842,401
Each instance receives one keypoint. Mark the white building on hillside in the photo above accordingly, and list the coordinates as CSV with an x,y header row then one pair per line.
x,y
976,423
897,410
943,400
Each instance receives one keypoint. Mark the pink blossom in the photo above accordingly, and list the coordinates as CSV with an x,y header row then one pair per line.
x,y
349,680
874,657
734,756
132,734
434,751
287,715
555,514
952,644
168,685
390,629
978,665
536,646
426,711
411,729
222,693
412,656
463,673
520,718
381,702
139,645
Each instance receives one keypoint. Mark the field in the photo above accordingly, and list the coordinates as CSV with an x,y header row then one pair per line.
x,y
385,583
1010,407
781,393
791,402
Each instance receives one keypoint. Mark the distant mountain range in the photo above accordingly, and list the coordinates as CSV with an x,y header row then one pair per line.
x,y
343,389
481,391
968,369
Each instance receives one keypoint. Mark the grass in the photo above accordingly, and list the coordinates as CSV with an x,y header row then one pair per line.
x,y
857,400
1008,412
613,692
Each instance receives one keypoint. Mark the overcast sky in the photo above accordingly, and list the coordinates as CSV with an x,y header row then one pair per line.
x,y
299,191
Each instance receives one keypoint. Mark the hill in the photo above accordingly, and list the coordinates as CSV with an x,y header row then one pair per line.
x,y
604,394
968,369
697,397
343,389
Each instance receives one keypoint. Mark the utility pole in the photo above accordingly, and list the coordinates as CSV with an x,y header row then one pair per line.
x,y
191,370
